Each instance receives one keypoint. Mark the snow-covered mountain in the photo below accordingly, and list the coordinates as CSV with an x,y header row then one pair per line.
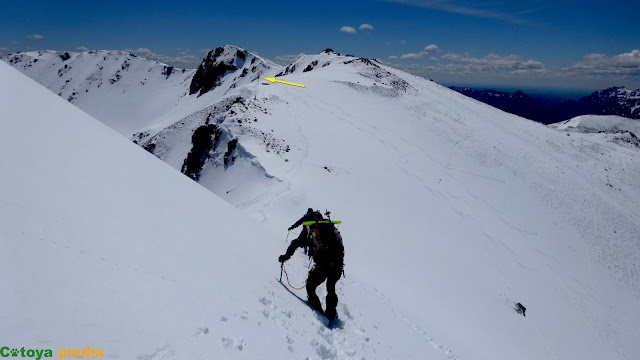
x,y
613,101
599,123
517,103
452,211
130,93
309,62
106,246
144,90
615,128
212,74
617,101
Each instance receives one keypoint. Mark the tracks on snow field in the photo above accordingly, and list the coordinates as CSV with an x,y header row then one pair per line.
x,y
354,340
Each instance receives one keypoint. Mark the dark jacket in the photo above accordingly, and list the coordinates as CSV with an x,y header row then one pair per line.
x,y
331,251
306,217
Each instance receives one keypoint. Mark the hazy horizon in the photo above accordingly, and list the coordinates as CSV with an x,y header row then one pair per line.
x,y
531,44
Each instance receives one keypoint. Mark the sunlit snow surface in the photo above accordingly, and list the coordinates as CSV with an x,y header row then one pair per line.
x,y
452,211
597,123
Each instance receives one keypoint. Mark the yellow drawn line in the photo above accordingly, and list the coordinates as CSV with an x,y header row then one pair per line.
x,y
284,82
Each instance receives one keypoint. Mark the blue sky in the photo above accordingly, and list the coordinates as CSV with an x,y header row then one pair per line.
x,y
518,44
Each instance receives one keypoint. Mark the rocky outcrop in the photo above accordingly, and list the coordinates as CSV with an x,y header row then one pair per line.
x,y
209,73
204,139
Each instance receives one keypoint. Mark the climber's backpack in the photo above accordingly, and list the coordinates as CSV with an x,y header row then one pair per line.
x,y
325,243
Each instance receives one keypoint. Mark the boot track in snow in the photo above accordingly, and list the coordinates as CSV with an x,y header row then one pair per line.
x,y
331,324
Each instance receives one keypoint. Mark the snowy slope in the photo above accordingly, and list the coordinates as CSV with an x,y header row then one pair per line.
x,y
143,90
452,212
596,123
614,129
455,210
309,62
105,246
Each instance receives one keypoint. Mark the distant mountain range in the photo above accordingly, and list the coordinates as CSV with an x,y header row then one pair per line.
x,y
612,101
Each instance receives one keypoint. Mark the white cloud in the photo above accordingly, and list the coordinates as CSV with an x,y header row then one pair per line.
x,y
452,6
626,64
287,59
403,41
492,62
418,55
593,71
15,42
595,56
463,67
82,49
365,26
414,55
140,51
431,47
35,36
348,29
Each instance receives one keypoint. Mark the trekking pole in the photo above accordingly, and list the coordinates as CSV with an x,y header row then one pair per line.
x,y
281,266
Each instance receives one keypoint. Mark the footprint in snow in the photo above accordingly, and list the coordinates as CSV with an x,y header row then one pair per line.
x,y
346,312
244,315
163,353
290,342
237,344
264,301
323,351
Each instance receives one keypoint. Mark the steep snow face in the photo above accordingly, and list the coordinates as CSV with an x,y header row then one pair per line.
x,y
106,246
452,211
125,91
